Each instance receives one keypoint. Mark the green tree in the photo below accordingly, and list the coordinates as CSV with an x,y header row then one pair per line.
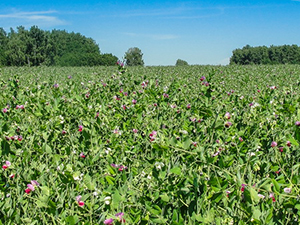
x,y
134,57
181,62
3,43
108,59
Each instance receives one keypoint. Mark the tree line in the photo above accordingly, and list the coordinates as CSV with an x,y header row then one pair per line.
x,y
36,47
285,54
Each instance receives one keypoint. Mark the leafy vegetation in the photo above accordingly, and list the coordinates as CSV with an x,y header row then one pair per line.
x,y
181,62
35,47
150,145
285,54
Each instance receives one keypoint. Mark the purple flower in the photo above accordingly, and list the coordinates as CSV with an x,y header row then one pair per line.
x,y
297,123
273,144
108,221
4,110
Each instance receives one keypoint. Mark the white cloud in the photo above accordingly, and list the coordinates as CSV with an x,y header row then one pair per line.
x,y
39,18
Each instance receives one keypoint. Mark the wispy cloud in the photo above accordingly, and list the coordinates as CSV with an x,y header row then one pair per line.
x,y
153,36
39,18
174,12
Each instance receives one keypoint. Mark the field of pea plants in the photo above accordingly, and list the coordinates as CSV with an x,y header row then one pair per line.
x,y
150,145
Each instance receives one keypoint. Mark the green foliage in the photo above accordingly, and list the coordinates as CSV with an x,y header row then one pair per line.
x,y
108,59
181,62
169,157
286,54
35,47
134,57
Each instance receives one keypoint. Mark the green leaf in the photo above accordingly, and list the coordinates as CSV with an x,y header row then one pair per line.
x,y
45,190
175,170
293,142
187,143
276,185
72,220
110,180
254,195
46,148
165,197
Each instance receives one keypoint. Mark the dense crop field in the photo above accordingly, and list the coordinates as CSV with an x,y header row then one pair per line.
x,y
152,145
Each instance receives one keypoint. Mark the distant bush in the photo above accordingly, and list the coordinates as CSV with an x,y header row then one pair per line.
x,y
181,62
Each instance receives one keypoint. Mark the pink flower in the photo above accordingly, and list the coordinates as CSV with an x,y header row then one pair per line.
x,y
31,187
27,191
152,135
4,110
188,106
195,143
272,196
240,139
134,101
82,155
35,183
273,144
12,176
6,165
287,190
64,132
78,199
135,131
288,143
281,149
108,221
227,115
202,78
243,187
80,128
297,123
121,167
120,217
165,95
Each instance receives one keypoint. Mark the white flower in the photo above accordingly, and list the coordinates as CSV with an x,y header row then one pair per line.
x,y
159,165
76,178
107,200
108,150
287,190
261,196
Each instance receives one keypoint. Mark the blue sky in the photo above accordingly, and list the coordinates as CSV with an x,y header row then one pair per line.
x,y
200,32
